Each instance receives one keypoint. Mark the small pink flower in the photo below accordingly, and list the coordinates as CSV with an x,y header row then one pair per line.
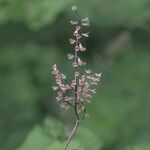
x,y
58,99
80,62
72,41
70,56
77,48
93,91
88,71
77,74
59,94
63,89
63,76
73,84
73,22
75,64
81,47
85,21
77,32
54,69
94,83
85,34
78,28
54,88
88,96
81,82
74,8
98,74
96,79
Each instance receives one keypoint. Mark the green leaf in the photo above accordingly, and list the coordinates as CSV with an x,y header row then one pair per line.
x,y
56,145
40,13
87,139
50,136
139,147
34,13
36,140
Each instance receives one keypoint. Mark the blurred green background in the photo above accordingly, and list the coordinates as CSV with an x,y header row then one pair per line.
x,y
34,35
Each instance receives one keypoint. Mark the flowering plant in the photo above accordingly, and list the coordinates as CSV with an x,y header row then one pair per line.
x,y
82,87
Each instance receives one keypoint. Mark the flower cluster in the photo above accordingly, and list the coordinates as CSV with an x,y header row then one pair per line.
x,y
87,83
60,88
82,87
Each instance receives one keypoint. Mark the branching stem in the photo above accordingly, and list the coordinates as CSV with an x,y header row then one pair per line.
x,y
75,102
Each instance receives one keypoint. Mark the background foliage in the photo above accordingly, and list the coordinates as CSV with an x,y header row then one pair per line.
x,y
34,35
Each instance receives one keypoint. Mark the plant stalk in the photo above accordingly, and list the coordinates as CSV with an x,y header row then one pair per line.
x,y
72,134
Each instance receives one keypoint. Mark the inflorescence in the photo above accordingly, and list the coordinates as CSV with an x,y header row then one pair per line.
x,y
83,85
77,93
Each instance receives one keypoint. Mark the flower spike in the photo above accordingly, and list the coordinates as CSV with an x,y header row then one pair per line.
x,y
83,85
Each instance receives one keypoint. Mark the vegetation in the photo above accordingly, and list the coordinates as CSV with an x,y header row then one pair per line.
x,y
33,37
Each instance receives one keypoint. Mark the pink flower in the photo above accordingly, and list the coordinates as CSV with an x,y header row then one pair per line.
x,y
93,91
85,21
54,69
58,99
54,88
75,64
98,74
74,8
77,32
77,48
72,41
73,22
70,56
85,34
77,74
94,83
88,96
59,94
88,71
63,76
63,88
81,47
73,84
80,62
81,82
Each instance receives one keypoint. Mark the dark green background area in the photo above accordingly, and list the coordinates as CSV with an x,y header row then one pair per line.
x,y
35,34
